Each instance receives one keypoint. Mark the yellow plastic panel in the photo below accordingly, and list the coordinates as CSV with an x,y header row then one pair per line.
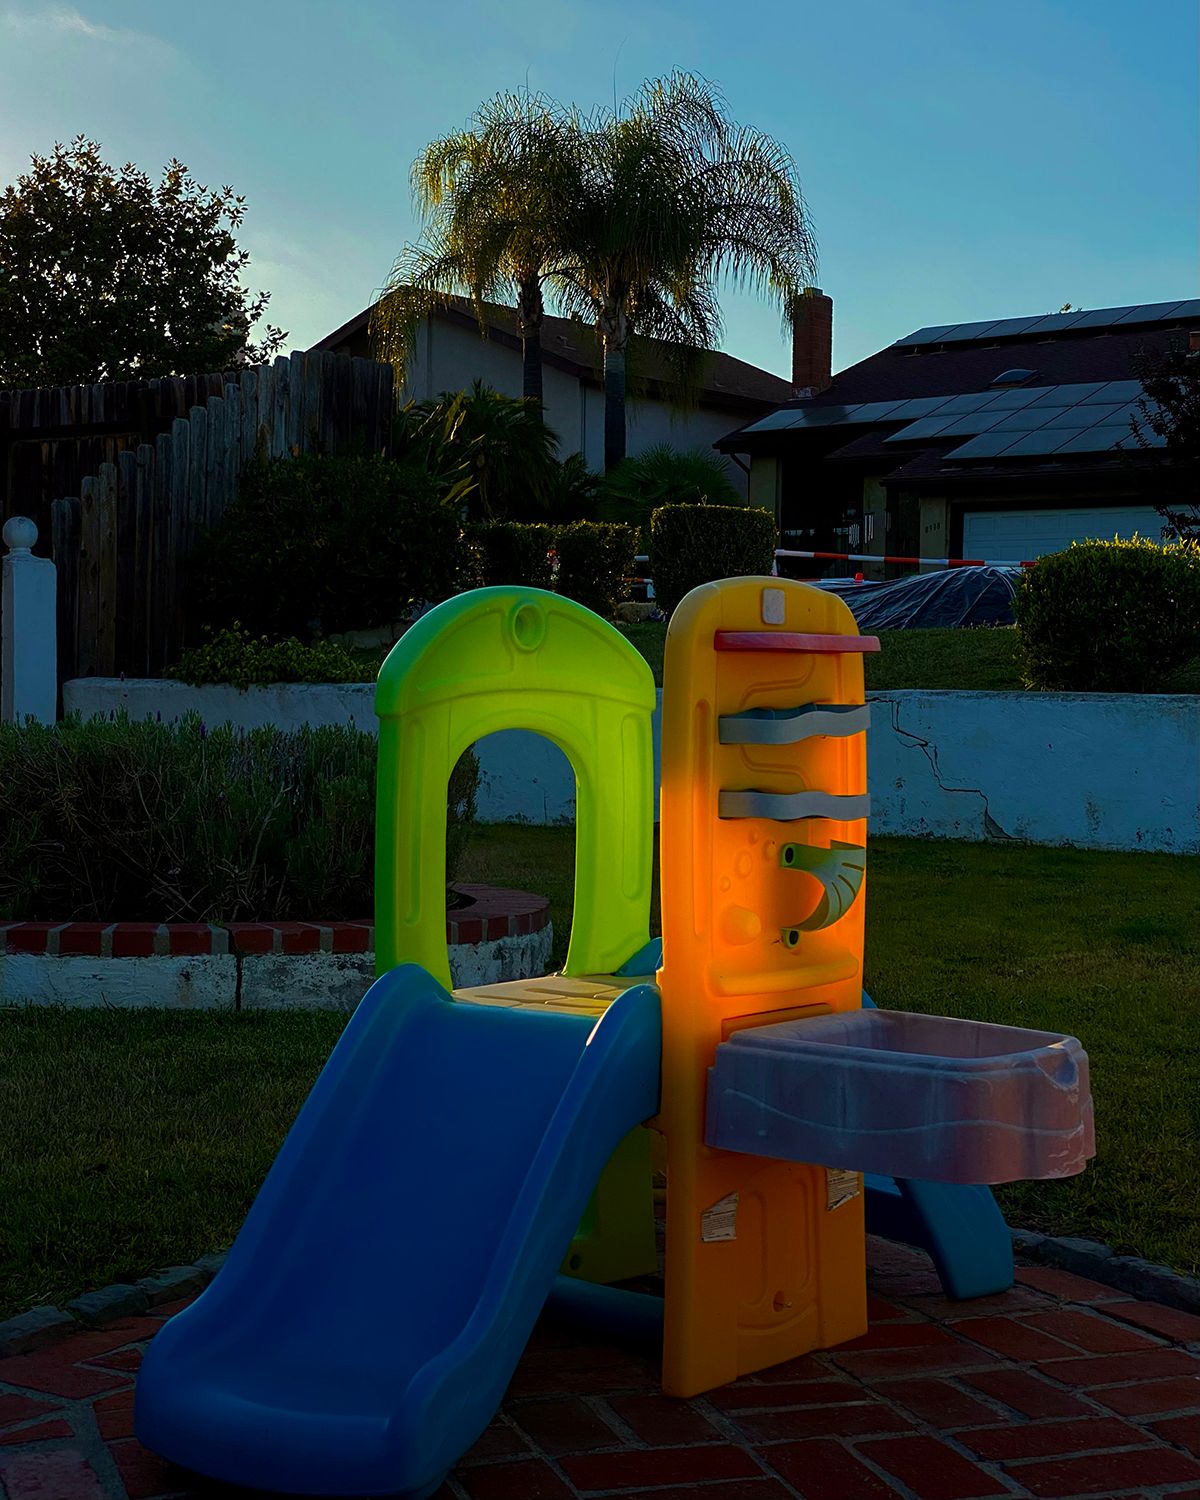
x,y
514,658
765,1259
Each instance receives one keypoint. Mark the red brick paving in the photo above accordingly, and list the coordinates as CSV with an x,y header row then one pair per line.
x,y
1059,1390
932,1469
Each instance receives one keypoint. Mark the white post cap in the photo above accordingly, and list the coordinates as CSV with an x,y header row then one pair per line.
x,y
19,533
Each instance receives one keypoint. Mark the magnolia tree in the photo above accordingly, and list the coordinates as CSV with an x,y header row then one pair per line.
x,y
1167,429
105,275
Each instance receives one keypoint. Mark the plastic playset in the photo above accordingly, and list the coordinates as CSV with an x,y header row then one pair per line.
x,y
467,1155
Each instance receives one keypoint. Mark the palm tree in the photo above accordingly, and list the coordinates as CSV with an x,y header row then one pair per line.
x,y
676,200
494,197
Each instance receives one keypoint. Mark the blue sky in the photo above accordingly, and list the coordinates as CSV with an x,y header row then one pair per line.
x,y
961,159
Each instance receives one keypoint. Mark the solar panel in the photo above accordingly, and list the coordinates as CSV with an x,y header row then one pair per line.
x,y
776,421
929,335
879,411
1065,416
961,332
968,401
1097,440
926,427
807,416
1115,390
1041,443
1026,420
987,445
1013,400
919,406
1149,312
969,424
1006,328
1099,416
1070,395
1052,323
1102,317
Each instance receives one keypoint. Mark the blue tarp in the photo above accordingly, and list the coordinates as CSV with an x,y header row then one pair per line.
x,y
927,601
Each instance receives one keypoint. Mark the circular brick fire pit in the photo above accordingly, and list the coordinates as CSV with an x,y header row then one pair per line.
x,y
494,934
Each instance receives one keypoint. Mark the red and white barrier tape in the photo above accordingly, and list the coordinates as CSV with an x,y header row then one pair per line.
x,y
936,562
887,557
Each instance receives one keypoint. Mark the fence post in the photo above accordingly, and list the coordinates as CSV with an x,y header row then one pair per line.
x,y
28,634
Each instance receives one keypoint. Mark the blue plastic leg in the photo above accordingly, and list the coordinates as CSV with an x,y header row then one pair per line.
x,y
960,1226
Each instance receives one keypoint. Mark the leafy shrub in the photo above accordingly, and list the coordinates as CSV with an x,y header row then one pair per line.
x,y
662,475
110,820
235,657
514,552
695,544
494,453
1115,617
595,562
588,561
329,544
572,490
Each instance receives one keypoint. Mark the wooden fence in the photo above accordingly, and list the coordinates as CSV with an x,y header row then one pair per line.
x,y
120,545
54,438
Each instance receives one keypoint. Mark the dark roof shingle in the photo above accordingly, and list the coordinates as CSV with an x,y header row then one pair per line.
x,y
572,346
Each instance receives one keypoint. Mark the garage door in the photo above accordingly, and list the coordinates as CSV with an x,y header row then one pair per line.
x,y
1014,535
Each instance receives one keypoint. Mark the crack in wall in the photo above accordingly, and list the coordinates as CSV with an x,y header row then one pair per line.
x,y
930,751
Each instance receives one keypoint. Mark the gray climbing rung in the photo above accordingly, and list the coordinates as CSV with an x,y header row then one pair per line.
x,y
787,807
787,726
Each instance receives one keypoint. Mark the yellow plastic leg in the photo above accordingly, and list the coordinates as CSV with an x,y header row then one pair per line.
x,y
765,1259
616,1241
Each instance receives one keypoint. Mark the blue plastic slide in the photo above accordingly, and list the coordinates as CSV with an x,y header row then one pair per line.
x,y
372,1311
961,1227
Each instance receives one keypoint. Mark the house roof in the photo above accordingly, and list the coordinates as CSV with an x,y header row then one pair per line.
x,y
574,348
1066,404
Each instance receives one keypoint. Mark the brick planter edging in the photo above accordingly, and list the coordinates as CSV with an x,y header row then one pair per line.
x,y
1096,1261
33,1330
494,912
40,1326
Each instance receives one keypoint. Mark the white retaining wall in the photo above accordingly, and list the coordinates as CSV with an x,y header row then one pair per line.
x,y
249,981
1094,770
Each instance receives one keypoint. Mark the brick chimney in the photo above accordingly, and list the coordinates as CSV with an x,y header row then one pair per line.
x,y
812,342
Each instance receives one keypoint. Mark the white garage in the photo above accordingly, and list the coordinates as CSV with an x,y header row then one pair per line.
x,y
1017,535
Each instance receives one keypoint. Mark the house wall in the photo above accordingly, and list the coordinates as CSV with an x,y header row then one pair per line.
x,y
449,357
875,525
766,475
935,528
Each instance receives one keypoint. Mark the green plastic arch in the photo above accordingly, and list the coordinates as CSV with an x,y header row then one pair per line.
x,y
514,658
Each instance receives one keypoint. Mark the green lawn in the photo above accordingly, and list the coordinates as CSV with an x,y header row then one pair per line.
x,y
137,1139
983,659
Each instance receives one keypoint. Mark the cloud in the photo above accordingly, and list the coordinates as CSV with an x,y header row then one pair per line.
x,y
63,21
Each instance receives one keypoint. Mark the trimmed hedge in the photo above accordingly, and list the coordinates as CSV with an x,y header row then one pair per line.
x,y
120,820
513,552
595,562
695,544
316,544
588,561
1115,617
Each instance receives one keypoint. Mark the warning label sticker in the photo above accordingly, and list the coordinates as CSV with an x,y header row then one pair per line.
x,y
720,1221
840,1186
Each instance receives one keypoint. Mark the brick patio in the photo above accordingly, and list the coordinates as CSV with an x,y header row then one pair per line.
x,y
1060,1388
